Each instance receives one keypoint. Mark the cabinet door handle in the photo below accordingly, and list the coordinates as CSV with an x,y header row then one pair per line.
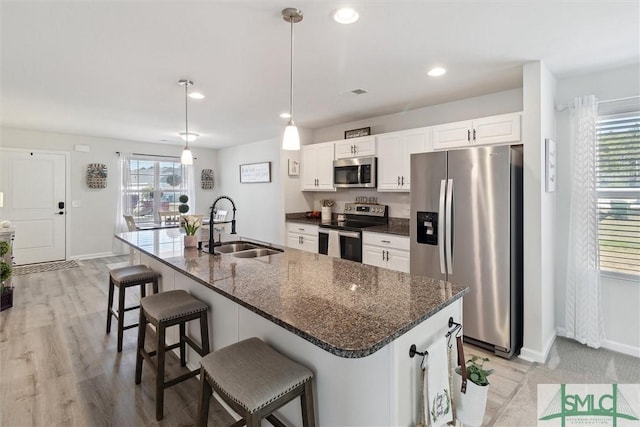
x,y
300,229
383,255
387,255
403,180
398,180
468,135
385,241
474,135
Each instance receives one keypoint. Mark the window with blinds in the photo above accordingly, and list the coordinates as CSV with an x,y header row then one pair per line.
x,y
618,185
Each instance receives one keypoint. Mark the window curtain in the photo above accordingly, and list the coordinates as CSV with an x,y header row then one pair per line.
x,y
188,177
584,320
123,203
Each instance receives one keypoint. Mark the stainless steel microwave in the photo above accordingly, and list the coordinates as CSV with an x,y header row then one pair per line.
x,y
355,172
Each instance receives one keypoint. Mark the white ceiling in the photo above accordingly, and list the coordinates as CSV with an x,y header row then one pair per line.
x,y
108,68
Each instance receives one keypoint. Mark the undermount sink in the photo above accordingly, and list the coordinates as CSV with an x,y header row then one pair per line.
x,y
227,248
254,253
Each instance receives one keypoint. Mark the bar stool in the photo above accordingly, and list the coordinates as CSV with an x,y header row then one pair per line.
x,y
254,380
164,310
135,275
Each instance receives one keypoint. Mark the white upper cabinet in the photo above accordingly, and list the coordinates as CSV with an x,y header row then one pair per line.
x,y
356,147
500,129
394,157
317,167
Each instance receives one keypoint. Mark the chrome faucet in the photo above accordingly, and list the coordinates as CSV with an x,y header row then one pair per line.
x,y
212,242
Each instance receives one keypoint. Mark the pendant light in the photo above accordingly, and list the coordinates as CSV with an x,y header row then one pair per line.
x,y
187,157
291,140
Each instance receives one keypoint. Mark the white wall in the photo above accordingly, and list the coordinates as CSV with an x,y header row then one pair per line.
x,y
539,213
92,224
620,297
487,105
260,206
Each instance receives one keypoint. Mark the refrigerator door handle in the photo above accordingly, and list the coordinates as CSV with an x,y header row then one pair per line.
x,y
441,236
449,226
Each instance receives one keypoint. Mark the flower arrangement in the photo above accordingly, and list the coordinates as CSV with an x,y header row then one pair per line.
x,y
191,224
476,371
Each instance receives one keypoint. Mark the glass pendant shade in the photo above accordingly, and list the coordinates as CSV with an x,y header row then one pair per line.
x,y
187,157
291,140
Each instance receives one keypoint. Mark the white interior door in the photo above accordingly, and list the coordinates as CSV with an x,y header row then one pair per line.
x,y
33,184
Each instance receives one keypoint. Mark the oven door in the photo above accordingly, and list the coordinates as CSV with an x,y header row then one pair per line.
x,y
351,245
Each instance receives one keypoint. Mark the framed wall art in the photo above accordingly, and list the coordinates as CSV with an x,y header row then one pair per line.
x,y
96,175
355,133
294,168
255,172
206,179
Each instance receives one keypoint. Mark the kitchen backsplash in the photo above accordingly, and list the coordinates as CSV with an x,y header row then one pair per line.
x,y
398,202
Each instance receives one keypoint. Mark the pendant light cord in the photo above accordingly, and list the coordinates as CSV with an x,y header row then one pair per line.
x,y
186,115
291,76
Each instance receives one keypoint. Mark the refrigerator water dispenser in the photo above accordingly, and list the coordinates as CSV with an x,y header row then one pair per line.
x,y
427,228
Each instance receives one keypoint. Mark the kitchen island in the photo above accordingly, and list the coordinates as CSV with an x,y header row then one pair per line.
x,y
351,324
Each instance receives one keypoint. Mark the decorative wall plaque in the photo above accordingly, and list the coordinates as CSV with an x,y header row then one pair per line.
x,y
97,175
206,179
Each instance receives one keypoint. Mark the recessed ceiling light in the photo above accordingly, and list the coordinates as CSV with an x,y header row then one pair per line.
x,y
196,95
346,15
437,71
285,115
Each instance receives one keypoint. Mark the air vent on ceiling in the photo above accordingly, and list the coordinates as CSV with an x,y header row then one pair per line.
x,y
358,91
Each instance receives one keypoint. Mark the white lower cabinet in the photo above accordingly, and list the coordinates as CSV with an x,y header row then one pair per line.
x,y
386,250
302,236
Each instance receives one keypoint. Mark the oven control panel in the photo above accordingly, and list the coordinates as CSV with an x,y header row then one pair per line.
x,y
365,209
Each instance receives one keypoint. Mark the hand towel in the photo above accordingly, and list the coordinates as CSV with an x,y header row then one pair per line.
x,y
334,244
438,396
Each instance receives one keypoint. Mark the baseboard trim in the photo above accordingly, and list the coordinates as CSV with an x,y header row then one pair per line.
x,y
616,346
536,356
96,255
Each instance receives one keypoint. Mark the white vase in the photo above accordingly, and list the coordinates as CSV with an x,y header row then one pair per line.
x,y
190,241
470,406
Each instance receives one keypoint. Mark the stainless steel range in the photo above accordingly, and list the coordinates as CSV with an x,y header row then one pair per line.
x,y
344,238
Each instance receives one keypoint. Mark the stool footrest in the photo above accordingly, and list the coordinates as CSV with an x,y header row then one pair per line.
x,y
181,378
194,345
275,421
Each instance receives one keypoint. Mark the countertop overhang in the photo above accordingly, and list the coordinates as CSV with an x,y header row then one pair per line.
x,y
346,308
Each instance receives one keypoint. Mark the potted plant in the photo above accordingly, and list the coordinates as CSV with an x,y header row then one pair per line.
x,y
471,405
191,225
6,291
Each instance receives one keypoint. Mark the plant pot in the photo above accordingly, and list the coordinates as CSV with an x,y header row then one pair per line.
x,y
190,241
6,299
470,406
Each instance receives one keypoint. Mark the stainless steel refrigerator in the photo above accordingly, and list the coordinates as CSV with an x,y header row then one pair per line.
x,y
466,227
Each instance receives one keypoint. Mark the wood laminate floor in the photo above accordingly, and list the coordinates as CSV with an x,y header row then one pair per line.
x,y
59,368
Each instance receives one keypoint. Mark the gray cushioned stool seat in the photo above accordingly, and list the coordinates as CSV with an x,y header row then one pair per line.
x,y
255,381
164,310
133,273
171,305
123,278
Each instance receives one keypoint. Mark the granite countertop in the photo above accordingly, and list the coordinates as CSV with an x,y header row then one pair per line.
x,y
399,226
346,308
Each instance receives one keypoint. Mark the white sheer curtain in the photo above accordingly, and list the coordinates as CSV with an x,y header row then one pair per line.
x,y
188,177
584,321
123,204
